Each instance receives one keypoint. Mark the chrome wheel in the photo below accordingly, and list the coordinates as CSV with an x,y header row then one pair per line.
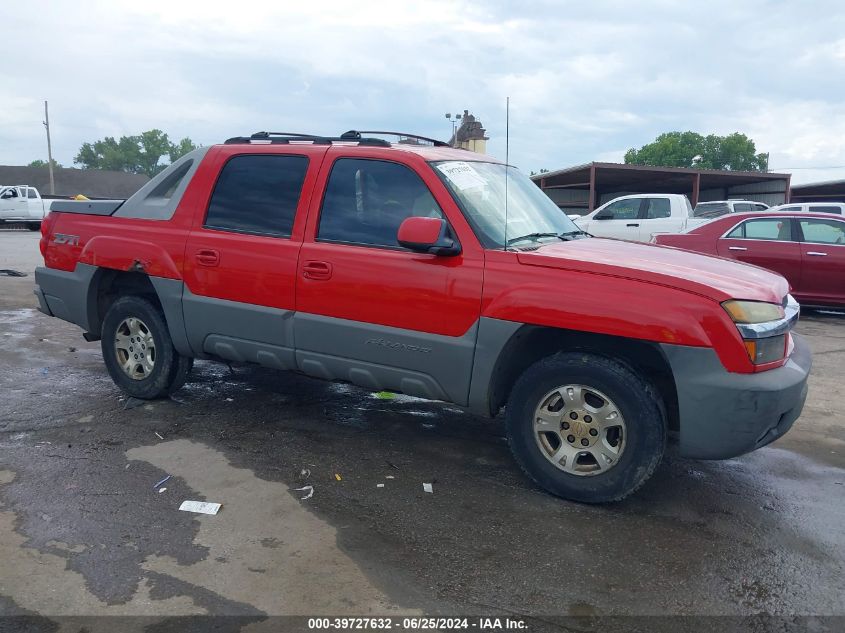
x,y
135,348
579,430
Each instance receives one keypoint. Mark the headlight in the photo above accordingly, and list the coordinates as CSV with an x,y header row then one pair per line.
x,y
764,344
753,311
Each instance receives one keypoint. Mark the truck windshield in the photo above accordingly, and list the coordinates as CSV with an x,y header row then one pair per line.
x,y
480,190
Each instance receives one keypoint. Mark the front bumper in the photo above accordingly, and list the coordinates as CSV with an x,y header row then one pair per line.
x,y
723,414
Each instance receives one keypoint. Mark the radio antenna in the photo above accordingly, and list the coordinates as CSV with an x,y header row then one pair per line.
x,y
507,148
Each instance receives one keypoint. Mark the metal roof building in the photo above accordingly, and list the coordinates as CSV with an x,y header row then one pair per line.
x,y
828,191
94,183
581,189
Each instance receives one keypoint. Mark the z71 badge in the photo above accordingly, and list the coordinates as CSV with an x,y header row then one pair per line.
x,y
63,238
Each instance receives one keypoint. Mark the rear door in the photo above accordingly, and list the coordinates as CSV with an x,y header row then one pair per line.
x,y
766,242
620,219
372,312
823,260
656,217
241,254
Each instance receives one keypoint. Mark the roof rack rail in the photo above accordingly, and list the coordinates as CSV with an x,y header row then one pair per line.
x,y
284,138
416,137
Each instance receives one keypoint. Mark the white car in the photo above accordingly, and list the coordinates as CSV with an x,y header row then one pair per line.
x,y
812,207
21,204
638,217
716,208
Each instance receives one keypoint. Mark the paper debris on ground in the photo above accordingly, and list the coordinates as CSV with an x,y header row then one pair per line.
x,y
428,488
379,485
337,476
203,507
308,490
158,435
389,477
160,490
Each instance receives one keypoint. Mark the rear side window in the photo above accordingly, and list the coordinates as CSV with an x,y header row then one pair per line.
x,y
821,208
777,229
823,231
790,209
257,194
367,200
657,208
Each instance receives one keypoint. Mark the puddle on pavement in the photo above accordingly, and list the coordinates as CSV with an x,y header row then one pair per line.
x,y
265,550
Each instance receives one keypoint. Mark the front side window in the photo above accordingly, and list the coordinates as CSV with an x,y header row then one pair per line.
x,y
658,208
621,210
823,231
367,200
32,194
742,207
790,209
760,207
776,229
257,194
503,205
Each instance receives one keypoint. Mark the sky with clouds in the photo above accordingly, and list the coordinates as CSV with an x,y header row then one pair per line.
x,y
586,80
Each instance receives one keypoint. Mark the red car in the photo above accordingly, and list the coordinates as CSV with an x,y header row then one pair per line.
x,y
440,273
806,248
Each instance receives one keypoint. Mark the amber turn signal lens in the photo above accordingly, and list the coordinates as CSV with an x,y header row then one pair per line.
x,y
766,350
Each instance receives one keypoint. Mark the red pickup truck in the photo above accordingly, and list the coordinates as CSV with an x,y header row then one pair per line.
x,y
439,273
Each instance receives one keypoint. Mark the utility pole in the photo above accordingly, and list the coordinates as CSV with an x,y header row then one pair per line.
x,y
49,151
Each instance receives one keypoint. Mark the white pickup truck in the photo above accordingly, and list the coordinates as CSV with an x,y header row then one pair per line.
x,y
638,217
21,204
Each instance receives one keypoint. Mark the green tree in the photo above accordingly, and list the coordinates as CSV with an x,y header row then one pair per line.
x,y
43,163
140,154
689,149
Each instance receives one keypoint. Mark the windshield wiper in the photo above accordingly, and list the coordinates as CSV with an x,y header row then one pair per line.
x,y
536,236
571,234
531,236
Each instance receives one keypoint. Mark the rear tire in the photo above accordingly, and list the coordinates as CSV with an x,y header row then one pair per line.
x,y
138,351
585,427
33,226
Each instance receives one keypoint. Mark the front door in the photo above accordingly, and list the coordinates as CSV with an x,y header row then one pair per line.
x,y
12,204
766,242
619,219
371,312
241,255
823,261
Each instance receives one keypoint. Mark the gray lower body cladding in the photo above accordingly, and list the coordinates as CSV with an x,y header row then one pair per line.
x,y
67,295
723,414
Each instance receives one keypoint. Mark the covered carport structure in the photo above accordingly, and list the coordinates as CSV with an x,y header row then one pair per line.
x,y
581,189
829,191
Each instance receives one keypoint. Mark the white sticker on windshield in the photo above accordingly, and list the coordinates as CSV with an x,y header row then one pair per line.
x,y
462,175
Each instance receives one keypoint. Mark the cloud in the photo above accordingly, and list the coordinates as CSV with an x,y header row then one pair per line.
x,y
584,80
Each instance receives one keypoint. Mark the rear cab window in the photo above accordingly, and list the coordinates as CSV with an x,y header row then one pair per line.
x,y
821,208
711,209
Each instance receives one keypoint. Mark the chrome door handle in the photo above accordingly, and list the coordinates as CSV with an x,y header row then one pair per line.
x,y
817,253
737,248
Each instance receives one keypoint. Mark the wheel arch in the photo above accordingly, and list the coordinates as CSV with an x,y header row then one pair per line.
x,y
108,284
529,344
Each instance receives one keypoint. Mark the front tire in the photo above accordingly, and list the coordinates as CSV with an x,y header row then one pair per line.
x,y
585,427
138,351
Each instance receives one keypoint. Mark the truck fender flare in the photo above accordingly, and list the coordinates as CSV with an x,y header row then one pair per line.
x,y
129,255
